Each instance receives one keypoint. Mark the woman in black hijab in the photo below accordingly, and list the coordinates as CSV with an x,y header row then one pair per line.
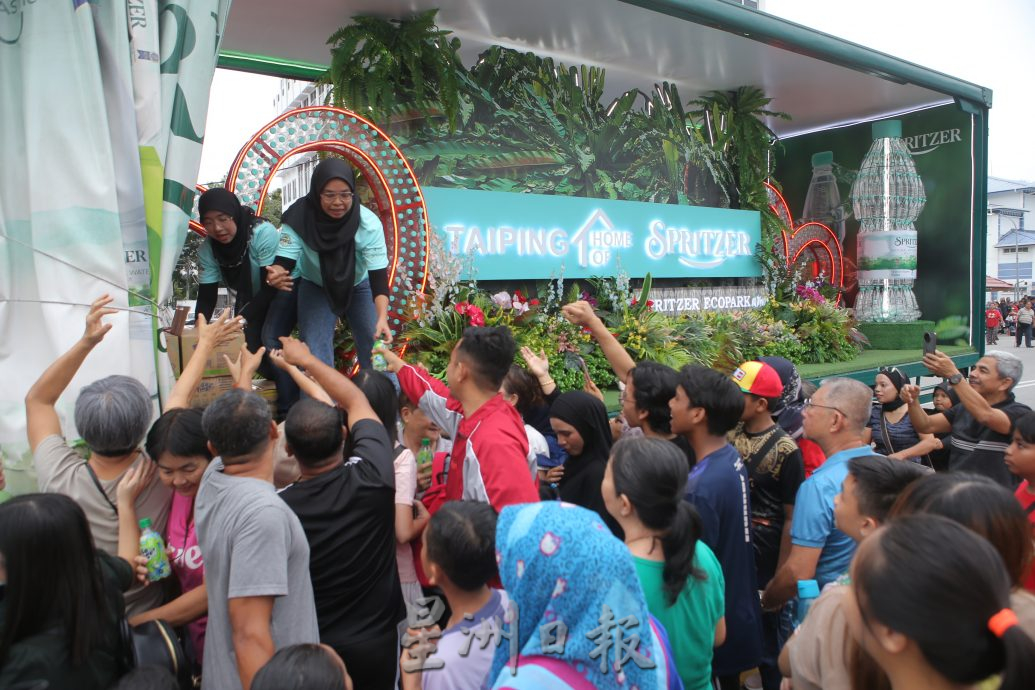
x,y
580,421
342,264
237,249
890,429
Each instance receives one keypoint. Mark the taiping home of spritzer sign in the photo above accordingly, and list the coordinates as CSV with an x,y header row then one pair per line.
x,y
519,236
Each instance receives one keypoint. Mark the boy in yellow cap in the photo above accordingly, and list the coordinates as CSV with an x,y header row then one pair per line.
x,y
775,470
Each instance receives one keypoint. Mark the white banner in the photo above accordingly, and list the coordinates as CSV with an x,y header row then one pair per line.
x,y
887,255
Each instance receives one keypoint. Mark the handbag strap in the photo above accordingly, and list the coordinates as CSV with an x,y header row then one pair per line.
x,y
884,433
97,483
763,450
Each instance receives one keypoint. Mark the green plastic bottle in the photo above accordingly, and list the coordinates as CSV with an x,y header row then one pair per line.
x,y
152,547
377,359
424,455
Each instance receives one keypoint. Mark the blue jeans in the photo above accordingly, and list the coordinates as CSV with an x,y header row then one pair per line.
x,y
316,321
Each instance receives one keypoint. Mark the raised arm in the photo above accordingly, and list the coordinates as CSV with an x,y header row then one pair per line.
x,y
244,367
210,336
135,480
581,314
942,365
41,417
338,386
922,422
304,383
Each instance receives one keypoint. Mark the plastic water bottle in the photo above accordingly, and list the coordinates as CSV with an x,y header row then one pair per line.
x,y
152,547
823,201
424,455
377,359
808,591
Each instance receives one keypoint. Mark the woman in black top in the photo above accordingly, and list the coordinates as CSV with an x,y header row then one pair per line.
x,y
580,421
62,605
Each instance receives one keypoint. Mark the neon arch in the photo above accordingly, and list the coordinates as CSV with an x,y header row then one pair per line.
x,y
398,199
813,242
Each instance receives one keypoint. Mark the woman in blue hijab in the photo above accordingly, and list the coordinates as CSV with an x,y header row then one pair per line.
x,y
583,621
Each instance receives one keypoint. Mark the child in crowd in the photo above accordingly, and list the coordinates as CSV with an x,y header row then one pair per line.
x,y
1020,459
707,405
643,489
459,557
931,604
303,667
817,657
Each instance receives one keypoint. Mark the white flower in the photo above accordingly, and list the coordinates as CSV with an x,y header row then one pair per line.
x,y
502,299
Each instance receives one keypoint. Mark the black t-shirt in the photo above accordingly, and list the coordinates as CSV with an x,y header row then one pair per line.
x,y
348,515
775,478
976,448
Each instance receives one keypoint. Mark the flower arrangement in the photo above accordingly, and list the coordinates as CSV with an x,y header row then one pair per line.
x,y
806,326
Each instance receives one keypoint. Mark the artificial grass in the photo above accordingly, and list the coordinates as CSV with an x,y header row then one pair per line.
x,y
895,336
874,359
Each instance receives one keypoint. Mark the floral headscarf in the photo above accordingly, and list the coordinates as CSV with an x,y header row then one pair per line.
x,y
558,562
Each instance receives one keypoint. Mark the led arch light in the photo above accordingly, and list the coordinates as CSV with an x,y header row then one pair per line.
x,y
397,197
811,241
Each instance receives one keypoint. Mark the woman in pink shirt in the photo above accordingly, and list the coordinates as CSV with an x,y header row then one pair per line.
x,y
178,449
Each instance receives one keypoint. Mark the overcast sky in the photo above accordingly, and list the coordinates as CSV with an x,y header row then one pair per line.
x,y
988,42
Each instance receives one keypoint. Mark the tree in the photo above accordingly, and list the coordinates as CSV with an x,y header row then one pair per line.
x,y
273,207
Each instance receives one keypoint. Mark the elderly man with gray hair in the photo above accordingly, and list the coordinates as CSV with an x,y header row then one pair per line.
x,y
112,415
981,422
836,418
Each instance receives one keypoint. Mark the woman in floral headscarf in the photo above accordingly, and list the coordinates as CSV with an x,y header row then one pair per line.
x,y
576,594
787,412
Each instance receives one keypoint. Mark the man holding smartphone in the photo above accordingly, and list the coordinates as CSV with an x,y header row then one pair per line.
x,y
980,425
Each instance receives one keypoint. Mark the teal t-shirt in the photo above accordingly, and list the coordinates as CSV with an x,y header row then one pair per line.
x,y
261,252
371,250
691,621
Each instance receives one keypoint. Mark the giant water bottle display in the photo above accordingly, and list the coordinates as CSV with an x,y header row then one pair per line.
x,y
823,201
887,196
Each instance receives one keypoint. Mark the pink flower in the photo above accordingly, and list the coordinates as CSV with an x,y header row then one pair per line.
x,y
502,299
461,307
534,302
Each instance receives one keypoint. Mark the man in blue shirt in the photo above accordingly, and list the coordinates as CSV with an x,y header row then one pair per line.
x,y
835,418
706,406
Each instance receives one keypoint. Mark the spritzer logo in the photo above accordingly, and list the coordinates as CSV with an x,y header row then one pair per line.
x,y
925,143
594,243
696,248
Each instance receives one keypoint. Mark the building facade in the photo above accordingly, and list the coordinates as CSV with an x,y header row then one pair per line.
x,y
1010,242
293,178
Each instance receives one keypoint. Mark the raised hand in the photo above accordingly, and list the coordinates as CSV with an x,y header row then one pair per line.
x,y
580,313
538,364
294,351
96,329
393,361
222,330
247,363
134,481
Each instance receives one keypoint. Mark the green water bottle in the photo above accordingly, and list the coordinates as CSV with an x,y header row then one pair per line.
x,y
153,549
424,455
377,359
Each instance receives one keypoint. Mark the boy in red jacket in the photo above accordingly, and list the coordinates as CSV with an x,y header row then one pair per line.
x,y
489,460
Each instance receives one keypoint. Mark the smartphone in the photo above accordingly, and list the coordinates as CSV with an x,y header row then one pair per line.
x,y
930,342
585,369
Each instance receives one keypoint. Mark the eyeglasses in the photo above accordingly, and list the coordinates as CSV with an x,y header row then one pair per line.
x,y
331,196
809,403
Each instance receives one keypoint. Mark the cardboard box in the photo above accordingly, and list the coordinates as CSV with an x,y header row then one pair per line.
x,y
182,347
211,388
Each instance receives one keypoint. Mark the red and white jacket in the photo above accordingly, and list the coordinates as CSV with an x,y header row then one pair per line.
x,y
489,461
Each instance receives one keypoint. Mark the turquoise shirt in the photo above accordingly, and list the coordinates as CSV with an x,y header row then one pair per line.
x,y
261,252
690,622
371,250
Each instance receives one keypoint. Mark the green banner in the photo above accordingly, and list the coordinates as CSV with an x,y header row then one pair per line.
x,y
940,142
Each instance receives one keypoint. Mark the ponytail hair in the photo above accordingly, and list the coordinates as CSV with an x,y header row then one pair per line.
x,y
939,584
651,473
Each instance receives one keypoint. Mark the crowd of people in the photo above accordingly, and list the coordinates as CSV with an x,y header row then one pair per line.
x,y
393,530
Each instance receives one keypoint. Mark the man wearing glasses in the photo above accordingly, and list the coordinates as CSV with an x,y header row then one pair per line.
x,y
835,418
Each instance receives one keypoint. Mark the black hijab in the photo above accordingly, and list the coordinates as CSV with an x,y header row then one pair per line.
x,y
232,257
335,240
584,472
897,380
